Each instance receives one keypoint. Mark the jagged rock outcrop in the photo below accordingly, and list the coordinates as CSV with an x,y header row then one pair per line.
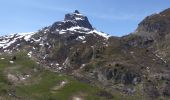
x,y
72,20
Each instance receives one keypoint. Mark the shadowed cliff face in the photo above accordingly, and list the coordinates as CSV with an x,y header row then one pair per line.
x,y
78,19
72,20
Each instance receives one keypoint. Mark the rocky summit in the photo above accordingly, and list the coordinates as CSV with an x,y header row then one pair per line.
x,y
71,57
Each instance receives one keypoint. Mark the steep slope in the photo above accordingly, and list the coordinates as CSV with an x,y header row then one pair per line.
x,y
156,25
152,36
53,45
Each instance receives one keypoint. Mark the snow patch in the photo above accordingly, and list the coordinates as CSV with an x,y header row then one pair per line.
x,y
62,32
57,64
45,56
51,64
29,54
63,83
27,36
2,58
33,48
84,41
79,18
38,40
78,28
100,33
27,75
7,41
81,37
41,44
23,78
83,30
11,62
59,68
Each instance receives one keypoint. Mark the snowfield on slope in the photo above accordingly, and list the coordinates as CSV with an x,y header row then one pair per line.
x,y
6,41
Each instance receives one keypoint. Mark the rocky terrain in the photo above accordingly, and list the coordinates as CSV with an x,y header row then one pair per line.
x,y
66,59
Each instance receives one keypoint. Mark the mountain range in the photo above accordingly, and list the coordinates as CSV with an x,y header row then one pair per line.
x,y
73,53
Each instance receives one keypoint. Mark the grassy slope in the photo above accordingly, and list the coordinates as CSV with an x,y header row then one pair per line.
x,y
41,83
39,86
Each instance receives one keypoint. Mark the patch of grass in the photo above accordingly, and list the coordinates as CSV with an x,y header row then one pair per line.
x,y
43,90
3,81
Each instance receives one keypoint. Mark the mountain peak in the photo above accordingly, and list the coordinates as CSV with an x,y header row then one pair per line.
x,y
77,12
72,20
76,15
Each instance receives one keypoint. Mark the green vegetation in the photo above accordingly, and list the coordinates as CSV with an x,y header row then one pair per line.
x,y
41,83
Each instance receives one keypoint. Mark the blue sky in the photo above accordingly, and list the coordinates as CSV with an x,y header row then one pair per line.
x,y
116,17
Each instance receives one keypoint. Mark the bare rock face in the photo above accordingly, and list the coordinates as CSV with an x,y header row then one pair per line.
x,y
78,19
155,26
166,91
72,20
